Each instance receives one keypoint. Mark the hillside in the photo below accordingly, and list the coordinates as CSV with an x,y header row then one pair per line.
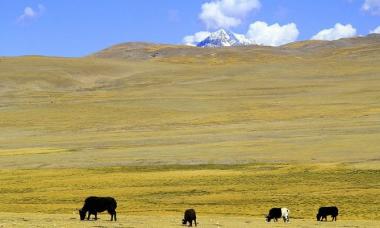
x,y
186,54
230,132
139,104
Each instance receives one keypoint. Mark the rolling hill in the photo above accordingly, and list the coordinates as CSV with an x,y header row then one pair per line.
x,y
230,132
140,103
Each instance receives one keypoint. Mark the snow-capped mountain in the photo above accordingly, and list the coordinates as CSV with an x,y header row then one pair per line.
x,y
223,38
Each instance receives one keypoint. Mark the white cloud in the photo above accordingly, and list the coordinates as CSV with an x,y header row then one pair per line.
x,y
372,6
226,13
339,31
376,30
192,40
272,35
30,13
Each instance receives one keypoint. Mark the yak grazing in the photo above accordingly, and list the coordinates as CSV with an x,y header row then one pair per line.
x,y
276,213
94,204
189,217
323,212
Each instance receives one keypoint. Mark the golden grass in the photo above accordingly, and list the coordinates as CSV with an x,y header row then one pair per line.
x,y
28,220
244,190
29,151
113,112
211,128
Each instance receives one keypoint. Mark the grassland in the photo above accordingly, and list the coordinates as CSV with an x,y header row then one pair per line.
x,y
101,112
232,134
235,190
159,221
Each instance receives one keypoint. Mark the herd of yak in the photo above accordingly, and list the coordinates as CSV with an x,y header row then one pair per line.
x,y
93,205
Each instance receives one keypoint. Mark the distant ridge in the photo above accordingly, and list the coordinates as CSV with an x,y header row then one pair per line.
x,y
144,51
371,39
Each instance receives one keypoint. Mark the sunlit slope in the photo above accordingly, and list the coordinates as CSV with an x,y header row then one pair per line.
x,y
225,190
234,105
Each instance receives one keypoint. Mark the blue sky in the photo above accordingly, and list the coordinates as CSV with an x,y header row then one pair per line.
x,y
77,28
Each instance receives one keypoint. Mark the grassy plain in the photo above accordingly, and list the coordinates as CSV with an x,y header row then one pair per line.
x,y
232,134
243,190
158,221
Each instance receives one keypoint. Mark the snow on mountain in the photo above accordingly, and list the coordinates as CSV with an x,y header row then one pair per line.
x,y
243,40
223,38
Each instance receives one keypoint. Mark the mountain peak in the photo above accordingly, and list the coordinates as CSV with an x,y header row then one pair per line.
x,y
224,38
221,33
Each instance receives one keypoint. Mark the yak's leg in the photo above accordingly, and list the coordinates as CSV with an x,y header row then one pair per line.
x,y
113,215
96,216
88,217
195,222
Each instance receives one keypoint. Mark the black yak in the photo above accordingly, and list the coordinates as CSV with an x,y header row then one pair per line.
x,y
189,216
94,204
323,212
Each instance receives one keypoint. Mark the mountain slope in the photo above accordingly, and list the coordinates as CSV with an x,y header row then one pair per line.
x,y
192,105
187,54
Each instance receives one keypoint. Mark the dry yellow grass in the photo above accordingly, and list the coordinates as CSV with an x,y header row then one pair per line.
x,y
233,134
159,221
29,151
244,190
119,112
